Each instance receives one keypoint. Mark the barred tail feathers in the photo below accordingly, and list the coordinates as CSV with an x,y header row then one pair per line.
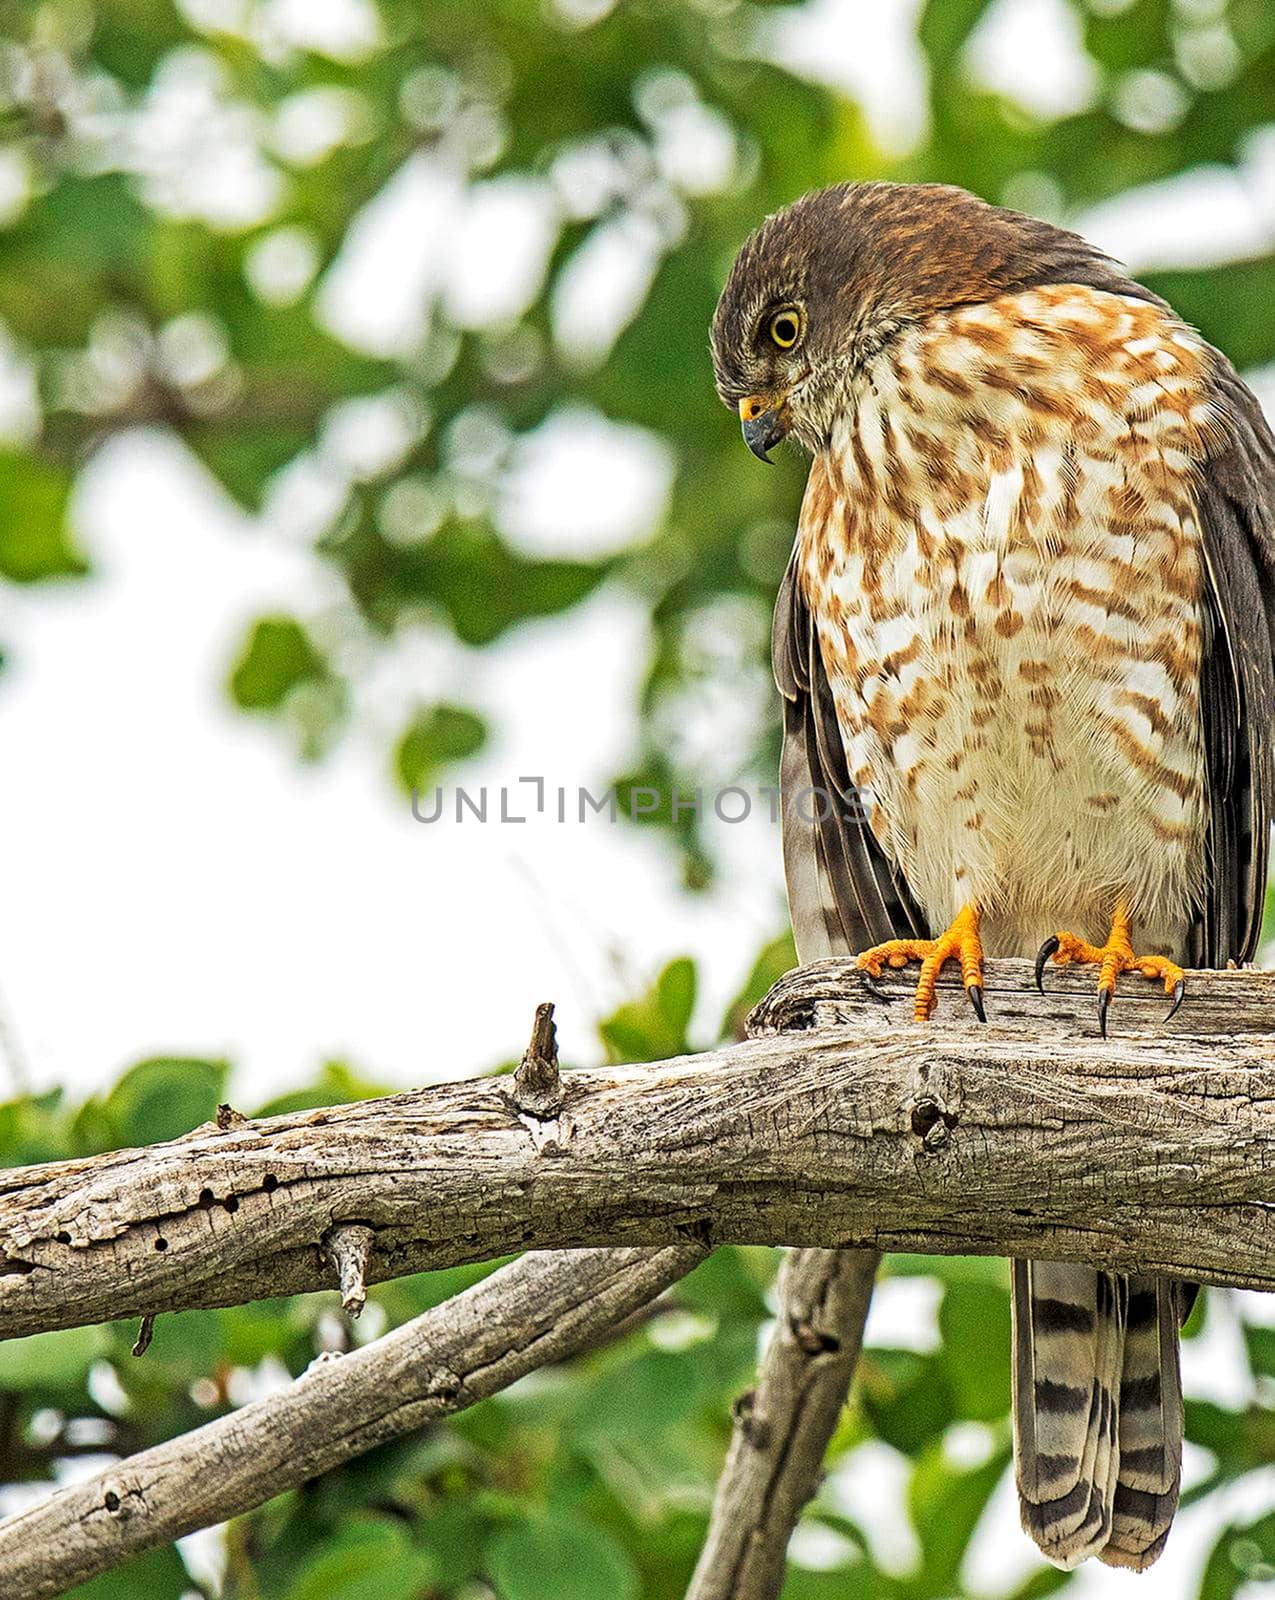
x,y
1150,1427
1069,1329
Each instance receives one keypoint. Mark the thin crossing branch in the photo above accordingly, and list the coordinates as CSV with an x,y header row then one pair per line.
x,y
539,1309
783,1425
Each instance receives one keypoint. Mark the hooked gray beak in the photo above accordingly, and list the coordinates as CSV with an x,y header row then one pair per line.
x,y
761,425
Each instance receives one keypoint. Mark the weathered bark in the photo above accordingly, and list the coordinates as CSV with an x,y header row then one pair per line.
x,y
832,993
783,1425
537,1310
1151,1152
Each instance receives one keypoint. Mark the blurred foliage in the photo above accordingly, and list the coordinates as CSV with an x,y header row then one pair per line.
x,y
185,187
182,190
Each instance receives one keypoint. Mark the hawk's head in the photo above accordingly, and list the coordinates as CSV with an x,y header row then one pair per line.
x,y
824,285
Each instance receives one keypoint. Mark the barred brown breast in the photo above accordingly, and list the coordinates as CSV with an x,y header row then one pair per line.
x,y
1001,553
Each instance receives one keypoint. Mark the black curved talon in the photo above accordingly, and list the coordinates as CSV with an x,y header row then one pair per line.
x,y
975,992
1042,955
872,985
1179,990
1104,1001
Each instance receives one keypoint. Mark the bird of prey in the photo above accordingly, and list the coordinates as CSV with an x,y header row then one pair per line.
x,y
1025,648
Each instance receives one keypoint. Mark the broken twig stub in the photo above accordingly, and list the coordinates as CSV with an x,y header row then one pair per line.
x,y
537,1082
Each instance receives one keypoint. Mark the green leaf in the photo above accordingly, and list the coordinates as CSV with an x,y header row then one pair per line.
x,y
974,1322
946,1505
944,27
989,1270
654,1026
639,1398
436,738
1243,1555
1219,301
35,541
646,794
164,1098
675,993
34,1128
453,1536
1044,1581
244,459
776,958
408,1297
547,1558
336,1084
1131,36
50,1360
276,658
1197,1317
907,1397
732,1282
77,251
187,1345
158,1575
1240,1440
369,1560
466,571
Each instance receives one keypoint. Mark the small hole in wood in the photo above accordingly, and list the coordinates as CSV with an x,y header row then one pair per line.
x,y
231,1202
270,1183
161,1244
207,1199
64,1237
112,1500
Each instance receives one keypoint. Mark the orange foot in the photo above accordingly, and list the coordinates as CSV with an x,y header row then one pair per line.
x,y
1111,959
961,940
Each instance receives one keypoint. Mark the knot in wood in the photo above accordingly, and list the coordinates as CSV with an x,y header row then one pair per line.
x,y
932,1122
750,1422
811,1341
117,1501
444,1384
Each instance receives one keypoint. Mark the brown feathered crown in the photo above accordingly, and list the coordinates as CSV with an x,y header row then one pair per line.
x,y
862,260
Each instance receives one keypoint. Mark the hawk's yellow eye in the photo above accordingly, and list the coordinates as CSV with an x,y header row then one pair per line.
x,y
785,327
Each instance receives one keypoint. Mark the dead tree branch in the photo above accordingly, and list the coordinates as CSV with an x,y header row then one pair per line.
x,y
869,1132
537,1310
782,1427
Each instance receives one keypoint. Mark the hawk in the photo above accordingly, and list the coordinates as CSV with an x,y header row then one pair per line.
x,y
1025,647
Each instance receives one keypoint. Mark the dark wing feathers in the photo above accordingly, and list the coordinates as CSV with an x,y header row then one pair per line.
x,y
842,892
1237,515
1237,699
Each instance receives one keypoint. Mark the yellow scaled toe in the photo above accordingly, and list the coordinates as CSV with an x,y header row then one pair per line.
x,y
961,940
1111,959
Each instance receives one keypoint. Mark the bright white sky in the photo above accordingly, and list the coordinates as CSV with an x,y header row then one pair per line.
x,y
172,880
175,881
